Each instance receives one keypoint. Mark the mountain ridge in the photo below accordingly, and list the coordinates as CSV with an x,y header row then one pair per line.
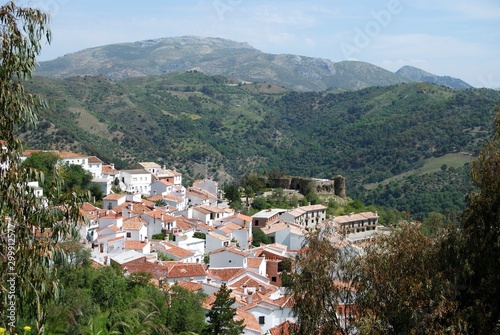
x,y
218,56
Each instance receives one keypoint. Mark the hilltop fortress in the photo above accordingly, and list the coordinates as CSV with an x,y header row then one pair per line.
x,y
335,185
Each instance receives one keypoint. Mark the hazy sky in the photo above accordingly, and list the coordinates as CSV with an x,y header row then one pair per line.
x,y
459,38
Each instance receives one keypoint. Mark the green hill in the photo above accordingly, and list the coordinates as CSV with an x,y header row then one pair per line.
x,y
186,120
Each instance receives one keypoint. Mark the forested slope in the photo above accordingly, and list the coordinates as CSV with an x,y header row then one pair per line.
x,y
189,120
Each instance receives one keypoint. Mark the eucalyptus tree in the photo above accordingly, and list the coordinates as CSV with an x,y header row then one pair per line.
x,y
29,226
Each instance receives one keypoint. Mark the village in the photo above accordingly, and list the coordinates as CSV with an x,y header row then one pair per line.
x,y
188,236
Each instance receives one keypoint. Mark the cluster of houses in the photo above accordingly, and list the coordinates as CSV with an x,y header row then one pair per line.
x,y
183,235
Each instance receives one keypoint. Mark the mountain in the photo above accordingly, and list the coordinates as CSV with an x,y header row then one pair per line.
x,y
414,74
382,136
217,56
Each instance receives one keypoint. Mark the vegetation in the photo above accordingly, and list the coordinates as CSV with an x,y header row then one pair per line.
x,y
30,227
74,177
221,316
436,279
193,122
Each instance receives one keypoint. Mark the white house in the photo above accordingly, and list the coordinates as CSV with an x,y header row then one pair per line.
x,y
214,241
161,187
113,200
197,196
306,216
135,228
289,234
136,181
228,257
95,166
208,185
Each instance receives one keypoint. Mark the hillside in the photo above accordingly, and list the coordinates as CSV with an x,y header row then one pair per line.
x,y
414,74
216,56
187,120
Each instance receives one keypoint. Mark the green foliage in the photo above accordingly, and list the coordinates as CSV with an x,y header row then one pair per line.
x,y
29,263
302,134
160,236
199,235
401,288
323,280
472,252
232,194
185,313
221,316
45,162
259,237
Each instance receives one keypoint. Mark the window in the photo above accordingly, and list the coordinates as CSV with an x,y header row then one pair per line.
x,y
262,320
273,279
129,234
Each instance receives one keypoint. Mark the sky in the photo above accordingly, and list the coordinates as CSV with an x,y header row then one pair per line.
x,y
458,38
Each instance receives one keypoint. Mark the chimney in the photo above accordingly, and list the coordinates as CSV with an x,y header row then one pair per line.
x,y
112,165
249,297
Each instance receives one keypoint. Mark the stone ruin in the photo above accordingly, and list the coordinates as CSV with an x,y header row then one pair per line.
x,y
335,185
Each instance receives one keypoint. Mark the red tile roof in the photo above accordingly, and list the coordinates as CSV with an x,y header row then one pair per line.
x,y
134,245
133,223
225,274
176,250
94,159
184,270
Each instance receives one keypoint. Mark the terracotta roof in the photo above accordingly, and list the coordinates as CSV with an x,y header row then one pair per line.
x,y
116,239
248,281
225,274
156,198
233,250
285,328
165,182
133,223
108,169
88,207
180,270
149,165
112,227
355,217
159,214
176,250
241,216
200,193
225,230
249,319
254,262
218,236
137,207
113,196
157,270
135,245
94,159
188,285
313,207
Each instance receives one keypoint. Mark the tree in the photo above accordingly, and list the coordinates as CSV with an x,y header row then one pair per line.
x,y
221,316
30,227
259,237
401,288
323,285
251,183
45,162
232,194
185,312
472,252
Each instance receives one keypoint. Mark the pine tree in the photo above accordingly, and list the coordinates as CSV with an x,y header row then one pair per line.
x,y
221,316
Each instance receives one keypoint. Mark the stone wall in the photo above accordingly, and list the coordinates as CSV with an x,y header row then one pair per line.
x,y
336,185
